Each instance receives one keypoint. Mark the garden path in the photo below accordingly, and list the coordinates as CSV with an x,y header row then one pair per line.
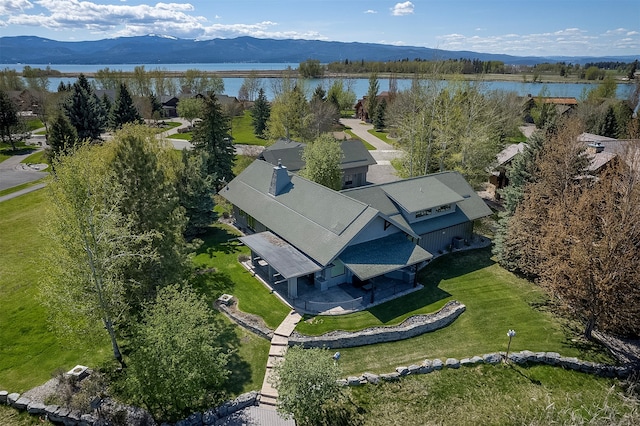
x,y
279,344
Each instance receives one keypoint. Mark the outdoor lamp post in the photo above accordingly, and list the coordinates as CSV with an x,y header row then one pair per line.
x,y
510,334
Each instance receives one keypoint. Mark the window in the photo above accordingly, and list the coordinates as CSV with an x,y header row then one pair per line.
x,y
348,180
337,269
421,213
443,208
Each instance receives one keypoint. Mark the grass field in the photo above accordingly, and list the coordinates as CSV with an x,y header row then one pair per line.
x,y
497,395
30,353
496,301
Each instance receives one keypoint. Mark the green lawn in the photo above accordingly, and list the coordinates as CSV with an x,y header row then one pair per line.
x,y
496,301
366,144
35,158
19,187
30,353
242,130
497,395
221,250
383,136
182,136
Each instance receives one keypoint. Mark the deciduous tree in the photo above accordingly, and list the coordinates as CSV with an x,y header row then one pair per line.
x,y
322,159
306,381
88,243
179,365
190,109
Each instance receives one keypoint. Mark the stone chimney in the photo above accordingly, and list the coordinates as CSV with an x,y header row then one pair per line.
x,y
595,148
279,179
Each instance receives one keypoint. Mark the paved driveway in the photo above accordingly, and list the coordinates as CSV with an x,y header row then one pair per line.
x,y
14,173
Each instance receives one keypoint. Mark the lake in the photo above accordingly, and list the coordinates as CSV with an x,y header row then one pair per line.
x,y
360,85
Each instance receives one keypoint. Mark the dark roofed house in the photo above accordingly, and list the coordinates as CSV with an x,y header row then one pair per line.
x,y
361,105
354,166
300,229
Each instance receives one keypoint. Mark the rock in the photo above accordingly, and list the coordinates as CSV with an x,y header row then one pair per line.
x,y
59,414
50,410
209,417
21,403
403,371
374,379
3,396
569,362
12,398
477,360
35,408
342,382
551,358
541,357
528,355
427,367
452,363
87,420
437,364
193,420
414,369
246,399
354,381
517,358
465,361
390,377
493,358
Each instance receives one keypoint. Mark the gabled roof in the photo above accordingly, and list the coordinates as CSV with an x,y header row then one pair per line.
x,y
316,220
289,153
421,193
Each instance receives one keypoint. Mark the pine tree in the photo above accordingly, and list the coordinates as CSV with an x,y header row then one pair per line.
x,y
371,103
85,111
260,114
62,138
123,110
379,115
211,136
195,192
149,199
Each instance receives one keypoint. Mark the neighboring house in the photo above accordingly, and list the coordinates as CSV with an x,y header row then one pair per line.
x,y
499,170
361,105
169,106
354,166
563,105
301,229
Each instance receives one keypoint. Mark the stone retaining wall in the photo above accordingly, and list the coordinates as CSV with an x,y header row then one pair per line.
x,y
411,327
68,417
250,322
548,358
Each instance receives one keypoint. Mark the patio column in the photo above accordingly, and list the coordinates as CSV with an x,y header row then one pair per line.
x,y
293,288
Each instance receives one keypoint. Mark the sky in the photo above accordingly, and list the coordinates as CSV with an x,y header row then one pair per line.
x,y
514,27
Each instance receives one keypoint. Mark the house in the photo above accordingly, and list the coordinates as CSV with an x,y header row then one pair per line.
x,y
354,166
563,105
299,229
361,105
499,177
169,106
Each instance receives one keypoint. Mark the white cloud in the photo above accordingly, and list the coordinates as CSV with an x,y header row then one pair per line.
x,y
8,7
569,42
370,11
402,9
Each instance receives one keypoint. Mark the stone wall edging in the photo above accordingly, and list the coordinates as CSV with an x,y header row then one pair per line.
x,y
522,357
69,417
411,327
247,321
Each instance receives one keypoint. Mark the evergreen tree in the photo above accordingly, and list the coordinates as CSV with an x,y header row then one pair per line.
x,y
195,192
371,102
85,111
260,114
379,116
123,110
144,171
106,103
8,119
62,138
609,126
319,94
211,135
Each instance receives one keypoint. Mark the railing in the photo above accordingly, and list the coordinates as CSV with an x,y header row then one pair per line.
x,y
330,308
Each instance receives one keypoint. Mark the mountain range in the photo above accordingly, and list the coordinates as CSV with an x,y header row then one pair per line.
x,y
152,49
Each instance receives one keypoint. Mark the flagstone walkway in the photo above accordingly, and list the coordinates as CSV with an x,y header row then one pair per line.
x,y
279,344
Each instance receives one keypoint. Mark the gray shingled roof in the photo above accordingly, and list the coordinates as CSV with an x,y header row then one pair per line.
x,y
285,258
316,220
440,188
378,257
289,152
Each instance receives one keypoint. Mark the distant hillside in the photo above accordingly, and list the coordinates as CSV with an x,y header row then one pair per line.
x,y
169,50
